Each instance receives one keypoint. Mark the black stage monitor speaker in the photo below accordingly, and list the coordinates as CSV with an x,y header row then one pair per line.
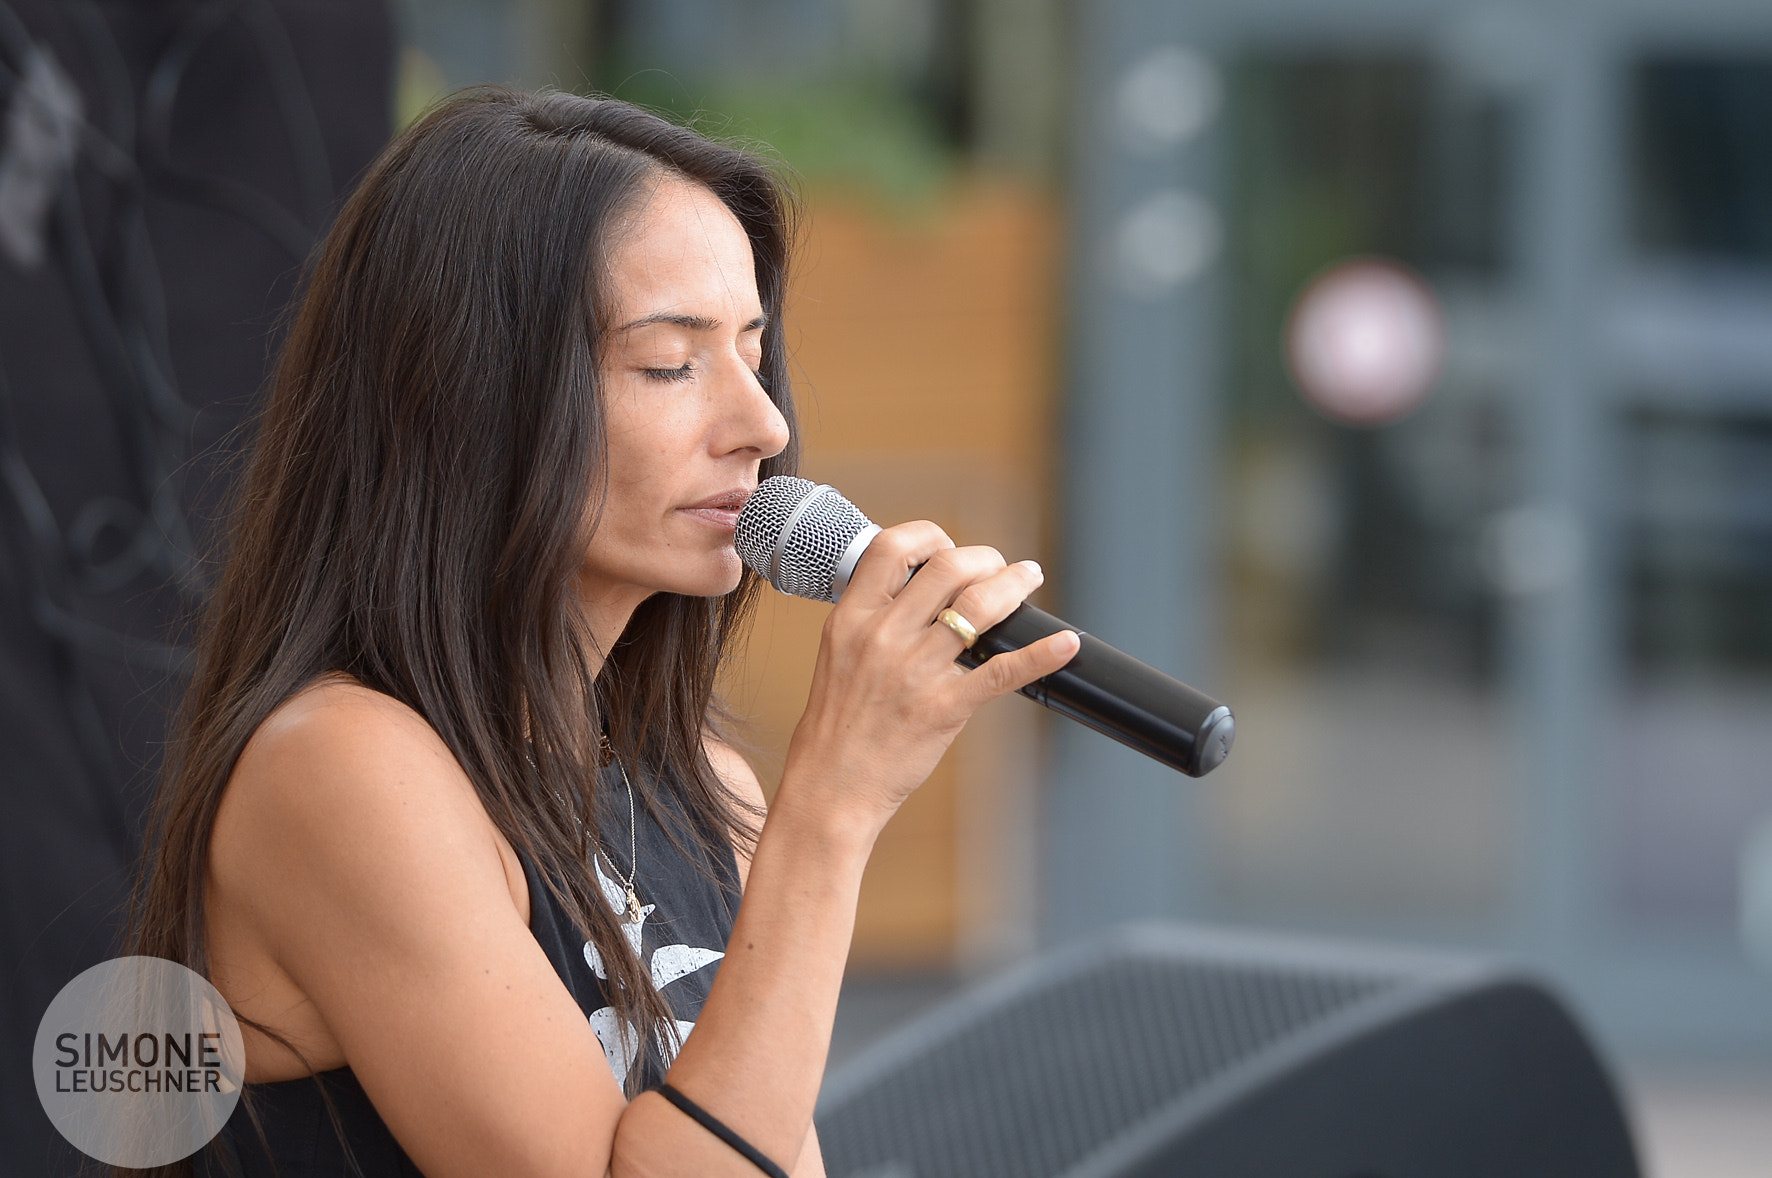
x,y
1176,1051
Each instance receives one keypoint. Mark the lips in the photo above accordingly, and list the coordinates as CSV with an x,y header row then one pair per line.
x,y
720,511
733,500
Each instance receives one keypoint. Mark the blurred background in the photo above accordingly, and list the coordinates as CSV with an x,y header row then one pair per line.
x,y
1398,371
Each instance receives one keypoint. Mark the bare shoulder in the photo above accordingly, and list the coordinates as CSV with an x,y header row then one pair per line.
x,y
734,771
339,763
336,716
345,816
738,776
363,907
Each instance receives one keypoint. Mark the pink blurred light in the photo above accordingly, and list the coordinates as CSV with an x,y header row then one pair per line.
x,y
1366,341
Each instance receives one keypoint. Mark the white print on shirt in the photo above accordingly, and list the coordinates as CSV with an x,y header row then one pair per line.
x,y
669,962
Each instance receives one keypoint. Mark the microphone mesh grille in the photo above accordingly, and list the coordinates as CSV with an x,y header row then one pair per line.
x,y
820,536
763,517
810,558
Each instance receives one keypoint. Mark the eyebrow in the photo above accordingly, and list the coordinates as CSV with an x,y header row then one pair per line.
x,y
692,322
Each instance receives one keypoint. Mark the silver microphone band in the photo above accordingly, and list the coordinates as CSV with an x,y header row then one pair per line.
x,y
851,556
787,531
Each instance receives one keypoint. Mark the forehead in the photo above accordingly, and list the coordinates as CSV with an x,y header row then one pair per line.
x,y
681,250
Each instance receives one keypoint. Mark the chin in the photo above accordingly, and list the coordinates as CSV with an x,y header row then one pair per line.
x,y
715,582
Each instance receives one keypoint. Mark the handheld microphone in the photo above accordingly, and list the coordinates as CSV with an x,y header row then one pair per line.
x,y
805,539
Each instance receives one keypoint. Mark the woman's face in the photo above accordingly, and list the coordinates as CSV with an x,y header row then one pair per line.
x,y
688,421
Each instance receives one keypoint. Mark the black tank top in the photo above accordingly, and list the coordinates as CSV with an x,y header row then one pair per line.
x,y
686,920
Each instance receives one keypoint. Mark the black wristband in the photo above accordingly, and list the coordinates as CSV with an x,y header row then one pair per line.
x,y
718,1128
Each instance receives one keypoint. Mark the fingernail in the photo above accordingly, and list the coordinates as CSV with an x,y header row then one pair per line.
x,y
1034,567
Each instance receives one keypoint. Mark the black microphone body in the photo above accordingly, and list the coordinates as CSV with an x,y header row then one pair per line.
x,y
1108,690
806,540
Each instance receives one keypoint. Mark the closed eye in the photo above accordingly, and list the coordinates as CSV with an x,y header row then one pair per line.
x,y
672,375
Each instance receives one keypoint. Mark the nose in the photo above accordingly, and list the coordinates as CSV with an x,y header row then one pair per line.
x,y
752,420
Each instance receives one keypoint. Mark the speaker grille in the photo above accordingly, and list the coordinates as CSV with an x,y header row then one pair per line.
x,y
1043,1079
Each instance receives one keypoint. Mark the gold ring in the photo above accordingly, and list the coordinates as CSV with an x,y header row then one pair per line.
x,y
954,621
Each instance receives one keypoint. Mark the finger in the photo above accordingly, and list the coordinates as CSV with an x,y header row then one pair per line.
x,y
942,578
886,565
1015,669
987,602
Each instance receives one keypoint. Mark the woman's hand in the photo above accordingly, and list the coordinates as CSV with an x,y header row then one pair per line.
x,y
887,697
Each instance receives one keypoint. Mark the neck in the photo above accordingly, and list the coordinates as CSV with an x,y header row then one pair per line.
x,y
607,610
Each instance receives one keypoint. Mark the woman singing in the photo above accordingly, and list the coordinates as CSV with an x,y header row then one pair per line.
x,y
447,818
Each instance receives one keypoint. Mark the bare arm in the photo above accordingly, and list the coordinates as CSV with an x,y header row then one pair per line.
x,y
353,849
739,777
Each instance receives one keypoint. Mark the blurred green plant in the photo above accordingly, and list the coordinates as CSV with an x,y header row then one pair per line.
x,y
860,135
418,82
865,136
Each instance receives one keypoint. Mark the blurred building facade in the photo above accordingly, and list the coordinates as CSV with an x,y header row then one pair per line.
x,y
1502,667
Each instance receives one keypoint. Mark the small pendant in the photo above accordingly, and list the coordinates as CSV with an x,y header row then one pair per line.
x,y
634,913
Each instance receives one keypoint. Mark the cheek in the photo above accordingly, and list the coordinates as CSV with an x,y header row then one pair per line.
x,y
651,450
634,438
629,466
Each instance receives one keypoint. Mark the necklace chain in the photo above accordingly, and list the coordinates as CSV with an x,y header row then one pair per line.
x,y
632,914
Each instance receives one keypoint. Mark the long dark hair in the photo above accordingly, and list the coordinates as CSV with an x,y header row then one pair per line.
x,y
421,488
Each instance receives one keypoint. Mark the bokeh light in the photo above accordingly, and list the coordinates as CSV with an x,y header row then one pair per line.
x,y
1366,341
